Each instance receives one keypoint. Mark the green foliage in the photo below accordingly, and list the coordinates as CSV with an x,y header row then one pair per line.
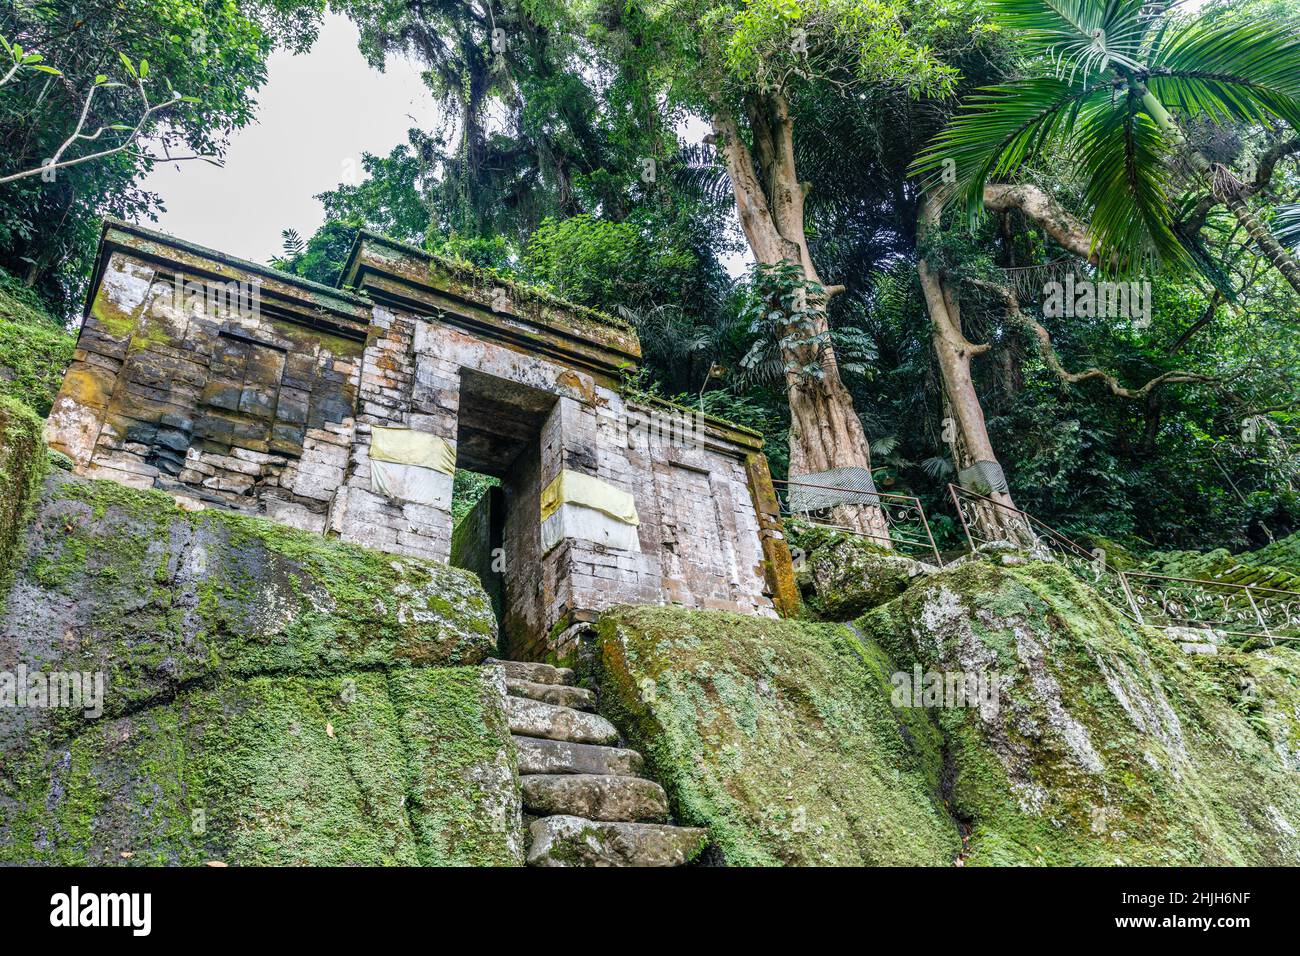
x,y
1103,80
466,489
213,53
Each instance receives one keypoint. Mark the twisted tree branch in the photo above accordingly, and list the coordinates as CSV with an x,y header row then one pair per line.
x,y
1053,361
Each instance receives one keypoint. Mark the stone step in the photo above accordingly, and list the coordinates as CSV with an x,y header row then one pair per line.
x,y
532,718
604,797
573,841
579,698
559,756
535,673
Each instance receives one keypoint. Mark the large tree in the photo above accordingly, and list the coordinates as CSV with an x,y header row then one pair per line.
x,y
742,65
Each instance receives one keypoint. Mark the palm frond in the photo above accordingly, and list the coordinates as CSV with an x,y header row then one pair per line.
x,y
1128,185
1079,37
938,468
997,130
1230,71
1287,226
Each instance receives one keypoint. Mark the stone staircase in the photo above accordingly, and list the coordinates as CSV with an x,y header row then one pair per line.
x,y
591,806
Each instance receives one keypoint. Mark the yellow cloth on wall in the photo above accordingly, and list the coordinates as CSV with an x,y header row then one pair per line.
x,y
572,487
405,446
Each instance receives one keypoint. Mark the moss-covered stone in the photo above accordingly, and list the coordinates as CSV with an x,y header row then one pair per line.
x,y
33,358
307,698
778,736
461,768
1283,553
22,466
1108,744
126,583
279,770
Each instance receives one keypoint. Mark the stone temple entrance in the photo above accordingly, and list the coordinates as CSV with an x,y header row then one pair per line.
x,y
346,412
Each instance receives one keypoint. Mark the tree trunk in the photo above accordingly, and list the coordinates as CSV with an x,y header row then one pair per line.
x,y
825,431
969,435
1265,242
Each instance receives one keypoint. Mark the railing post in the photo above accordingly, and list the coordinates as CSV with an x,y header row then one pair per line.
x,y
1128,593
970,544
1260,617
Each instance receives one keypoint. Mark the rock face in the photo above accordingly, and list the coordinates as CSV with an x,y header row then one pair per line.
x,y
1045,729
778,736
845,575
270,697
22,465
1104,743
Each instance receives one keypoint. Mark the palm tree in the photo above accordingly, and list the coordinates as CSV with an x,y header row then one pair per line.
x,y
1120,77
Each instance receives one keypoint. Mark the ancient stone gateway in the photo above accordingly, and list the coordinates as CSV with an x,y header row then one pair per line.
x,y
228,384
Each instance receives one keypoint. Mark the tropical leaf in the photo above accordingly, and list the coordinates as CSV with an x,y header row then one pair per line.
x,y
998,130
1231,71
1287,226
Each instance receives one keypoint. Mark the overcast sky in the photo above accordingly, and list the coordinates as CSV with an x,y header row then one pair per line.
x,y
316,115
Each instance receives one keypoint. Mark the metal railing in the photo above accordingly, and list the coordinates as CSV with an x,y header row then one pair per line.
x,y
908,529
1242,610
1011,525
1156,600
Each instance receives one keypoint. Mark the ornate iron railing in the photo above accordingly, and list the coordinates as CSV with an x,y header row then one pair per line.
x,y
904,516
1243,610
1157,600
1009,525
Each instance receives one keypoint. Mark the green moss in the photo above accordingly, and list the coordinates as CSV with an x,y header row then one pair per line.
x,y
276,771
161,598
778,736
460,764
33,357
22,466
1109,745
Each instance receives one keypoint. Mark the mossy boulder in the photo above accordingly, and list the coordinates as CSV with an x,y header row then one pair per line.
x,y
126,583
778,736
367,768
313,701
841,575
23,464
850,576
1107,743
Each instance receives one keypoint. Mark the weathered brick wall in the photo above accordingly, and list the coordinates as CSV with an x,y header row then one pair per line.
x,y
210,396
273,408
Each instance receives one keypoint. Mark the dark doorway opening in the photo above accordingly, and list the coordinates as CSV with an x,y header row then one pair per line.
x,y
499,432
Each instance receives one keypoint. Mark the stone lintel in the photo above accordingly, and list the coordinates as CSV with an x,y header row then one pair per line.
x,y
490,306
282,296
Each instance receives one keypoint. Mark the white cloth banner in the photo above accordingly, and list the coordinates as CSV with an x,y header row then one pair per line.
x,y
414,483
587,524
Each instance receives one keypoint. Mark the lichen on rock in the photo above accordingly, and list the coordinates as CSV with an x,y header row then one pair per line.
x,y
271,696
1108,744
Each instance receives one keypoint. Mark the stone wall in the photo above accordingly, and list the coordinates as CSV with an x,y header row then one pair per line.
x,y
228,384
